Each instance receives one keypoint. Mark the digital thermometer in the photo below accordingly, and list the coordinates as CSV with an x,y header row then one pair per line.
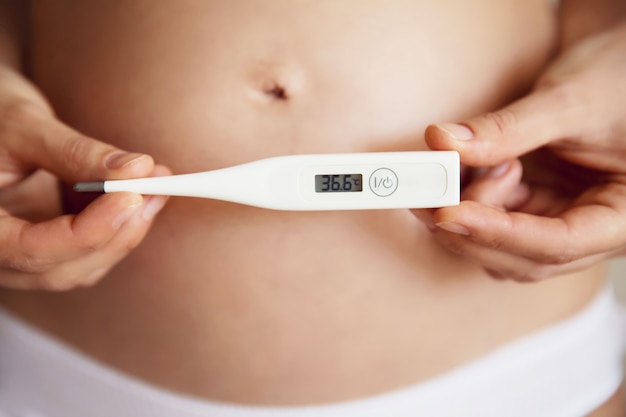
x,y
356,181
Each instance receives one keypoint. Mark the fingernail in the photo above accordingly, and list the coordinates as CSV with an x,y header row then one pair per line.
x,y
152,206
121,159
454,228
125,215
457,131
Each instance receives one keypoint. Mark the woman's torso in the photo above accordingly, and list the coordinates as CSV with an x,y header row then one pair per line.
x,y
250,305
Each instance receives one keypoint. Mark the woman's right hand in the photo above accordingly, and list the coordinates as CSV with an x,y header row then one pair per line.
x,y
570,210
61,251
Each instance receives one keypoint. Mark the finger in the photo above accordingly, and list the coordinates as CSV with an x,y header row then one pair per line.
x,y
37,247
131,234
593,227
69,236
546,115
501,265
75,264
33,139
72,250
499,186
496,187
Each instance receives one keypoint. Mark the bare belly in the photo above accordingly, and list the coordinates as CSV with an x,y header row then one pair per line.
x,y
248,305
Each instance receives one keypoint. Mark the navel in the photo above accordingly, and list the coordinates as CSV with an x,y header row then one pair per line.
x,y
276,82
276,91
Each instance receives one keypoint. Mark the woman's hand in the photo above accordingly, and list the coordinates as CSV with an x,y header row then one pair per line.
x,y
569,210
40,248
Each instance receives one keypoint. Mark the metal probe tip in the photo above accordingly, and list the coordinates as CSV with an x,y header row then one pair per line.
x,y
89,187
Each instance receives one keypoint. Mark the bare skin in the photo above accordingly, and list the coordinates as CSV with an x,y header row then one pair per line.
x,y
253,306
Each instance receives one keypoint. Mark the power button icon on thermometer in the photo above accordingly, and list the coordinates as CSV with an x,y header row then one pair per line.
x,y
383,182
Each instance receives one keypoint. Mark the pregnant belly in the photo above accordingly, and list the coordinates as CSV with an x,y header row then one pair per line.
x,y
208,84
250,305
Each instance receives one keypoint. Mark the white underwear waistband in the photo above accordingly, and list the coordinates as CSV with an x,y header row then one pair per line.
x,y
565,370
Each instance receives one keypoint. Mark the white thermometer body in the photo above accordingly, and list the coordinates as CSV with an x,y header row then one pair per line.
x,y
357,181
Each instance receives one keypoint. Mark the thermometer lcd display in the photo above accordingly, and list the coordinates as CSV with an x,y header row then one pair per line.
x,y
338,183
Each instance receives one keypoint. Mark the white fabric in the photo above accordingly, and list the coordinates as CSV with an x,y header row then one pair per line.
x,y
565,370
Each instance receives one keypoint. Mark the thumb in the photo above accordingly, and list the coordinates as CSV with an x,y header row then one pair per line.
x,y
36,140
542,117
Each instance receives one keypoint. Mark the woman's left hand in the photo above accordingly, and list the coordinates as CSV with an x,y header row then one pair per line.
x,y
563,207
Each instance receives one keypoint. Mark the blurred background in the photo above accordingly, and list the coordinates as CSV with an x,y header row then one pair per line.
x,y
618,275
